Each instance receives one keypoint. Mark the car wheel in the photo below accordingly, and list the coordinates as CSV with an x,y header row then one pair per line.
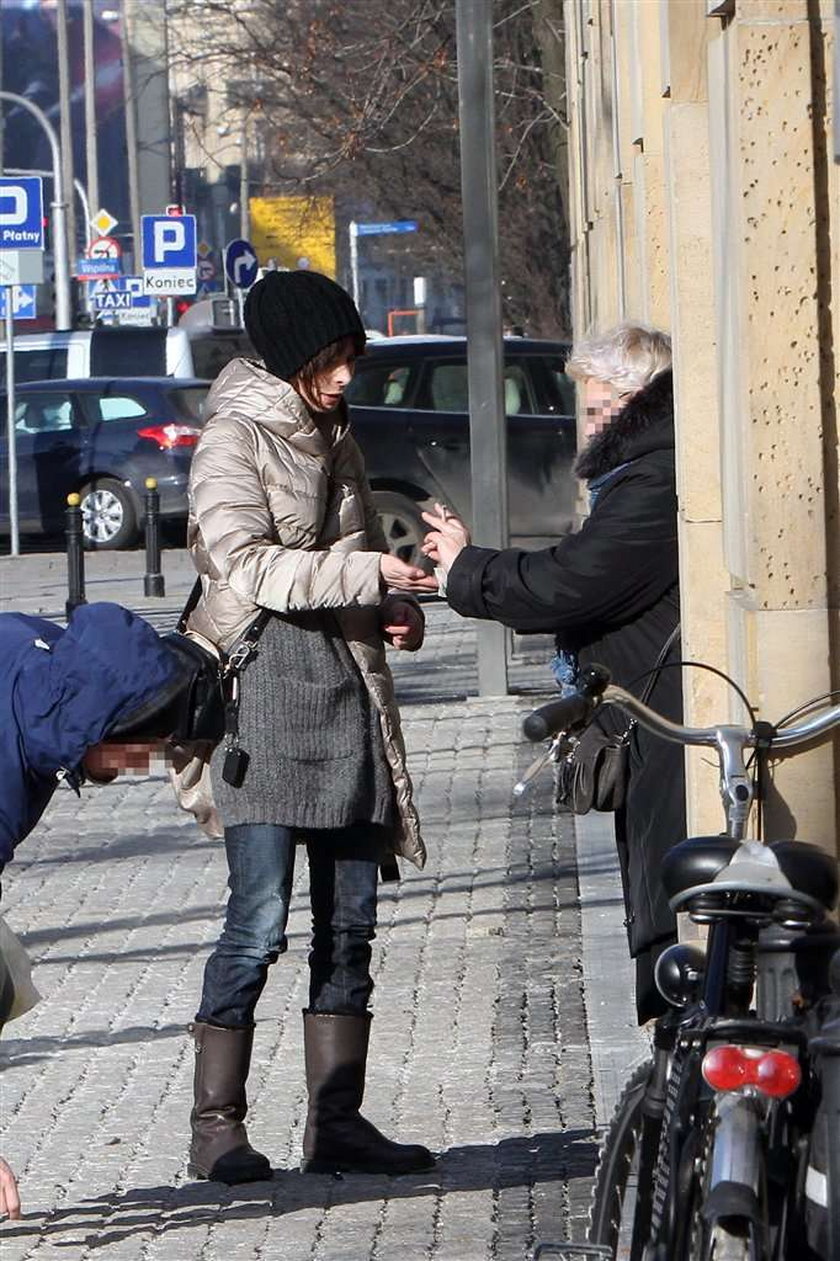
x,y
108,517
404,527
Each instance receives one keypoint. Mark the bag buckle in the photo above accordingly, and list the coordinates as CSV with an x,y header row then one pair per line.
x,y
241,653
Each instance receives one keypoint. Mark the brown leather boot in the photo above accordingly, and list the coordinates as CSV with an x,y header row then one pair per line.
x,y
337,1139
220,1150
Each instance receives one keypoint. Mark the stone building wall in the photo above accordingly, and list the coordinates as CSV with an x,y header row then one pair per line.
x,y
705,200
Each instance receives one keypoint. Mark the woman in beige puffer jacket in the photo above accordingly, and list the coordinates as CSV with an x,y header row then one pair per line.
x,y
281,519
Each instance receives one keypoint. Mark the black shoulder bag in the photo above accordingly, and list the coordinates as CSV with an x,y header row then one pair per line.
x,y
593,774
210,709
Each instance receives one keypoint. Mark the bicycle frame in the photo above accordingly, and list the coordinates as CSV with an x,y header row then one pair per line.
x,y
714,1139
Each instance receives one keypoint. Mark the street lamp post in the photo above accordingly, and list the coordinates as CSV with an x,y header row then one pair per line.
x,y
65,120
58,213
244,186
488,427
90,107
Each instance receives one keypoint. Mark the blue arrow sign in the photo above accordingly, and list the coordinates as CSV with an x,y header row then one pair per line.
x,y
24,303
169,241
241,264
396,225
22,214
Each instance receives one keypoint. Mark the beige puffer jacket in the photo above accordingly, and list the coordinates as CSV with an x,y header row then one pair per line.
x,y
281,517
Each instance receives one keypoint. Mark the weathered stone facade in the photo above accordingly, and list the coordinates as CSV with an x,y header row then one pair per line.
x,y
705,200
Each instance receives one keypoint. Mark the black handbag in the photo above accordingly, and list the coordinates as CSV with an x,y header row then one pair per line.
x,y
209,704
593,774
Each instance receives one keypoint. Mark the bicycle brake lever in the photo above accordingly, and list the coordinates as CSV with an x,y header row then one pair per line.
x,y
548,754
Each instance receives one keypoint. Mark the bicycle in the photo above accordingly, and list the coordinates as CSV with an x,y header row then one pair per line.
x,y
725,1146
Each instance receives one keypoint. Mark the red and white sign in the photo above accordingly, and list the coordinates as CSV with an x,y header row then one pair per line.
x,y
104,247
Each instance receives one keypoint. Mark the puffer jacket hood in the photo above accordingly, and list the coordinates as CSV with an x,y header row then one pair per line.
x,y
245,388
61,691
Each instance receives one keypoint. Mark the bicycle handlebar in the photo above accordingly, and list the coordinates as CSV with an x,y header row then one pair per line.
x,y
561,715
572,713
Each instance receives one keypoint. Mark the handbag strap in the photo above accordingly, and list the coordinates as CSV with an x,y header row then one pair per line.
x,y
658,664
192,600
242,650
652,677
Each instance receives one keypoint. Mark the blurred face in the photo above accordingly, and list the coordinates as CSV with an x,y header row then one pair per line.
x,y
325,391
601,402
104,762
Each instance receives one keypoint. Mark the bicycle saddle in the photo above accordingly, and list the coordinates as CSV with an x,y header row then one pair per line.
x,y
709,865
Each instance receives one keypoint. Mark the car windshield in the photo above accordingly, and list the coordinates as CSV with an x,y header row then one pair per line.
x,y
45,364
212,351
188,402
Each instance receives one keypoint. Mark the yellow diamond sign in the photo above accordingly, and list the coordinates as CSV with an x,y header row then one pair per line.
x,y
104,222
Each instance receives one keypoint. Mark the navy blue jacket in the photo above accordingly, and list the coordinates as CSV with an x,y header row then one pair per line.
x,y
61,691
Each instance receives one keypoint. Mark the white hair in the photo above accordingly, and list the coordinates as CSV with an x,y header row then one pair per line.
x,y
627,357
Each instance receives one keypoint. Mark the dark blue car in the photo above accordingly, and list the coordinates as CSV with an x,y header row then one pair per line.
x,y
101,437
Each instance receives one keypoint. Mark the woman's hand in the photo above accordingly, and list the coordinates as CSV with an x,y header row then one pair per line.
x,y
403,624
403,577
9,1197
447,538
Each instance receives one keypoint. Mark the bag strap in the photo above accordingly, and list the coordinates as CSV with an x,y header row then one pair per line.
x,y
242,650
651,683
658,664
192,600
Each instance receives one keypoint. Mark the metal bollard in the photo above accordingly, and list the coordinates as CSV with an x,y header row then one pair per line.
x,y
153,583
75,555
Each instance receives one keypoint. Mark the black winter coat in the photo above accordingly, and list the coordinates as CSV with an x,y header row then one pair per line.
x,y
610,593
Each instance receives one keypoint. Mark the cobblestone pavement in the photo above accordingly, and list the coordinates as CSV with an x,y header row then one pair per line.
x,y
479,1044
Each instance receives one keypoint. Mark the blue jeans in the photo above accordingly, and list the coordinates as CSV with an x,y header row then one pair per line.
x,y
343,873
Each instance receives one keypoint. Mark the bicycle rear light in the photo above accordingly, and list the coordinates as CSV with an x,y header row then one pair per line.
x,y
773,1073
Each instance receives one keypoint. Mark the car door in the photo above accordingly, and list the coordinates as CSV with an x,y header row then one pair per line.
x,y
382,420
440,428
49,429
539,402
540,448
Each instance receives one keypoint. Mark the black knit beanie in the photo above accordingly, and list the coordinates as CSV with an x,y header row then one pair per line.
x,y
291,315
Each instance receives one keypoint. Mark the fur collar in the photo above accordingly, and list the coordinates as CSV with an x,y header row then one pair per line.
x,y
645,424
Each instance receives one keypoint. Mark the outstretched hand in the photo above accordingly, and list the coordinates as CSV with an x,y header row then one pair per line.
x,y
400,576
403,623
447,538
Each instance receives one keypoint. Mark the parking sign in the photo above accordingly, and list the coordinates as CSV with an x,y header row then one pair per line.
x,y
169,254
21,214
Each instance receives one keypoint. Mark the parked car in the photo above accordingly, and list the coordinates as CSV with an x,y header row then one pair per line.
x,y
409,411
101,437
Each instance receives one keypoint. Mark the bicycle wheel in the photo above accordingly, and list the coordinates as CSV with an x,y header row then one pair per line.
x,y
621,1196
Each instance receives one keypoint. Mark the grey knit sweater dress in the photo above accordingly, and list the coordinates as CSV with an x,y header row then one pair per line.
x,y
312,735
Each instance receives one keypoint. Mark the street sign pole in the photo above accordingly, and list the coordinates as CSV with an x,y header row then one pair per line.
x,y
241,266
11,435
61,260
372,229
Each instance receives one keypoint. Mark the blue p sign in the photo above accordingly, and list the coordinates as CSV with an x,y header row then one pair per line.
x,y
21,214
169,241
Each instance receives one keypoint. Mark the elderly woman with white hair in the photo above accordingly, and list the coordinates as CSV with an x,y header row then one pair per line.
x,y
610,594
